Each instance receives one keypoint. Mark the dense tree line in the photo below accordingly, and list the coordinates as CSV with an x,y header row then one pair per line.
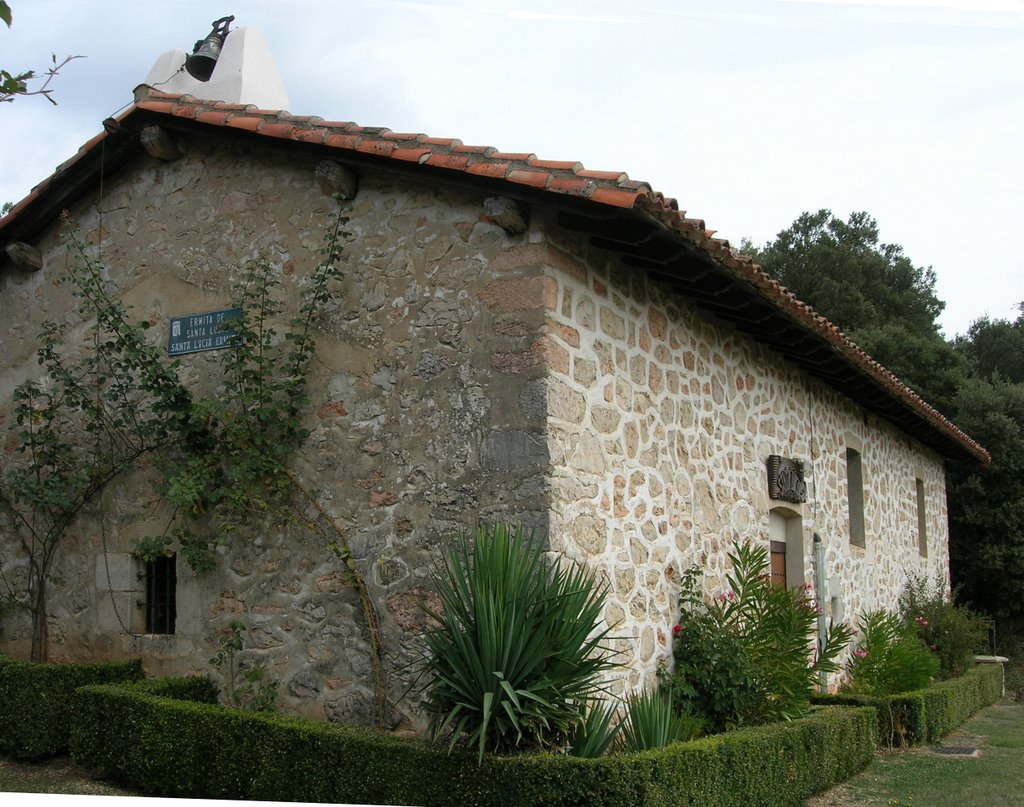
x,y
889,307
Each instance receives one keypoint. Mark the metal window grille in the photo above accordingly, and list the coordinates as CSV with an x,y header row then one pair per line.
x,y
161,595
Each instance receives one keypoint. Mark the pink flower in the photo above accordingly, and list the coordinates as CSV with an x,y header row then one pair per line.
x,y
721,596
732,596
921,621
860,652
677,629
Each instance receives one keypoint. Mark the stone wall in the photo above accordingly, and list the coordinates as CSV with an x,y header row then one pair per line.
x,y
424,390
464,375
662,420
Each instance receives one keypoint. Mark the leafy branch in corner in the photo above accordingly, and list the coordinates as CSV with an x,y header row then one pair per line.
x,y
13,85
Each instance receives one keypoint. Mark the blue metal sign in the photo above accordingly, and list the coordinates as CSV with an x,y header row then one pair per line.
x,y
198,332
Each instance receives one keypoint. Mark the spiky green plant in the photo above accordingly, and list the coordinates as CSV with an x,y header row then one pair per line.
x,y
651,722
518,651
597,732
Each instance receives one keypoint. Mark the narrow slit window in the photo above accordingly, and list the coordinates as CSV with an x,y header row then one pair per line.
x,y
922,520
161,595
855,494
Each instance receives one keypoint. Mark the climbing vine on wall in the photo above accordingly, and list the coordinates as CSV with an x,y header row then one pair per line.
x,y
91,414
225,454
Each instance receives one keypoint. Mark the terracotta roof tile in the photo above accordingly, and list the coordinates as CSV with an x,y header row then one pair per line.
x,y
535,179
402,136
459,162
486,151
343,125
572,185
411,155
343,141
613,176
218,117
489,169
244,122
166,107
519,157
376,146
611,188
555,165
614,197
316,135
277,129
236,107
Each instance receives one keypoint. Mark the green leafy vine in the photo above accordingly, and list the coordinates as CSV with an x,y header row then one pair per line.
x,y
227,453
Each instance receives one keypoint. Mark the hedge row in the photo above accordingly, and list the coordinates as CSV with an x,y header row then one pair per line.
x,y
194,750
926,715
35,700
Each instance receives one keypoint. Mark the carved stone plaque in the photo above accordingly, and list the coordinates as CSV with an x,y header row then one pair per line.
x,y
786,479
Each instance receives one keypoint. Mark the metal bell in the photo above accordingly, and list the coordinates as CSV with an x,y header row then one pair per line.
x,y
206,51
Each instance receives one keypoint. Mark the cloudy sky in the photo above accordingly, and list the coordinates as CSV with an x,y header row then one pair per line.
x,y
747,111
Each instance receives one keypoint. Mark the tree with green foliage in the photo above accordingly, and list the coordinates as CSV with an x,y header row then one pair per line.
x,y
874,293
889,308
995,348
986,503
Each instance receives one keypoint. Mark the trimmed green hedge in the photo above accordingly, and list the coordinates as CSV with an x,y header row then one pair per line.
x,y
926,715
35,702
194,750
197,688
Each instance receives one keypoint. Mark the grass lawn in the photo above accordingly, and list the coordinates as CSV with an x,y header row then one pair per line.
x,y
58,775
923,778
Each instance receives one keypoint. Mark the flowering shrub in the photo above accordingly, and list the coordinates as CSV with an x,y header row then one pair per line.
x,y
890,657
953,632
744,657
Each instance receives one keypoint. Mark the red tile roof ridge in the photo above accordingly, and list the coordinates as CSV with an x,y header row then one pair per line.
x,y
610,188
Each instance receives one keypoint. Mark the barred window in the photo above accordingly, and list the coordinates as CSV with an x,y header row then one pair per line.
x,y
161,594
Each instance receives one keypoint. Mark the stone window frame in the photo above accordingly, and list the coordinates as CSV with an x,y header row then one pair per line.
x,y
854,457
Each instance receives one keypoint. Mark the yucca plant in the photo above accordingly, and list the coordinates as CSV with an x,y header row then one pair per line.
x,y
651,722
518,650
597,731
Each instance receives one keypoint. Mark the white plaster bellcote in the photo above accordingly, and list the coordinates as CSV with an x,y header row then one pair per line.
x,y
245,74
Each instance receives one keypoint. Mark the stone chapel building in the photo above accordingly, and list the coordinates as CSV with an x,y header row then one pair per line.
x,y
518,339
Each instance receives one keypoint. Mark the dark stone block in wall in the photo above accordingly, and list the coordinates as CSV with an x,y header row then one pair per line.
x,y
507,451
